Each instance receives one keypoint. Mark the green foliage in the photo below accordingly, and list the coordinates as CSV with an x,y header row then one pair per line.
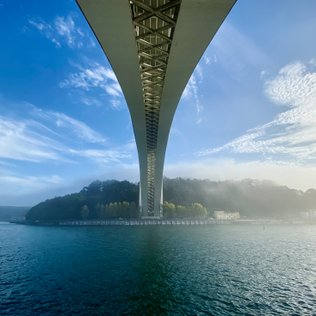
x,y
195,210
121,210
85,212
168,210
186,199
59,208
252,198
199,210
92,202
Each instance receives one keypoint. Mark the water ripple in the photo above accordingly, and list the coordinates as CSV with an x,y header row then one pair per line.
x,y
214,270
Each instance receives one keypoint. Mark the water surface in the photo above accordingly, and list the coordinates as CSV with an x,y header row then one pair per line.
x,y
158,270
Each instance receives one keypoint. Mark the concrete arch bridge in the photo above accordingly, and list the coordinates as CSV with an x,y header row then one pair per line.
x,y
153,47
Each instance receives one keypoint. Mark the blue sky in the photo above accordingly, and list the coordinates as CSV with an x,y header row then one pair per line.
x,y
248,111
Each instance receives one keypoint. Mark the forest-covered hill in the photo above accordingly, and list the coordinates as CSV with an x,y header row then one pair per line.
x,y
114,199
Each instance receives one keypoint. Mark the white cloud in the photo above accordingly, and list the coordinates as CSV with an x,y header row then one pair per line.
x,y
60,122
90,101
102,157
47,30
20,141
46,140
113,90
294,84
61,30
291,135
130,146
191,91
80,129
65,27
113,157
210,59
40,136
116,103
30,182
95,76
34,135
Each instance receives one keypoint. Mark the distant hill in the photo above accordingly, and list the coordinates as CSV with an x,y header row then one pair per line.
x,y
112,199
252,198
7,213
98,200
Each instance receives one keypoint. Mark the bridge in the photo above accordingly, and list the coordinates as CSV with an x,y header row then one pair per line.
x,y
153,47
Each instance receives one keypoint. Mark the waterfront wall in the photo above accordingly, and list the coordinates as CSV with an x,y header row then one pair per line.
x,y
138,222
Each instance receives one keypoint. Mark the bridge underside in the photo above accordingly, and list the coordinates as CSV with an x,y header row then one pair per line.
x,y
153,47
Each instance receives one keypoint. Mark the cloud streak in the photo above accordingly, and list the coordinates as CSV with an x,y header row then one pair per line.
x,y
95,77
19,140
33,140
290,136
192,93
62,30
47,136
102,156
64,123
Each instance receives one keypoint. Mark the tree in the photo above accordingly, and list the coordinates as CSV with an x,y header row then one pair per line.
x,y
85,212
100,209
168,210
181,211
198,210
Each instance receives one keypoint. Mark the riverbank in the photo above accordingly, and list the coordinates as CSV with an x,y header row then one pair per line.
x,y
146,222
137,222
173,222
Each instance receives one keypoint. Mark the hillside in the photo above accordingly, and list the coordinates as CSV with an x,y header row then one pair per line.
x,y
89,203
252,198
113,199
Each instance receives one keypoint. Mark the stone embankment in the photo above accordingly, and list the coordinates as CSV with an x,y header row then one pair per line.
x,y
139,222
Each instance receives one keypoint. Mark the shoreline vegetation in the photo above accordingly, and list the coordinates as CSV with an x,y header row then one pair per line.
x,y
186,200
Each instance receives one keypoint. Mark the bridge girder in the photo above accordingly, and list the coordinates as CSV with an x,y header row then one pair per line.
x,y
153,47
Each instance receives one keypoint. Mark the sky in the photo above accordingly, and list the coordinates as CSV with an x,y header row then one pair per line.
x,y
248,110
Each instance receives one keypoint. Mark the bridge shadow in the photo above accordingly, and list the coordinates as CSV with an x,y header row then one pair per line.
x,y
154,290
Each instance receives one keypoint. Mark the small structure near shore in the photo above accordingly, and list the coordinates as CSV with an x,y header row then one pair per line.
x,y
226,216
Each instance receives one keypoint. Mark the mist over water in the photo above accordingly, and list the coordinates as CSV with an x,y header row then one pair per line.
x,y
158,270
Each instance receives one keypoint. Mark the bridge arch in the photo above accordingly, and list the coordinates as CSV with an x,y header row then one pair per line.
x,y
153,47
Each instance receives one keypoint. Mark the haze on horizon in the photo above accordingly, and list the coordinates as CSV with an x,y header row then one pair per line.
x,y
248,110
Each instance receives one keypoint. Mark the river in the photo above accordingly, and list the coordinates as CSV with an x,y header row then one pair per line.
x,y
158,270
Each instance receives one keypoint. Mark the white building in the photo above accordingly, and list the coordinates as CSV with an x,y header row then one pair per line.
x,y
226,216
